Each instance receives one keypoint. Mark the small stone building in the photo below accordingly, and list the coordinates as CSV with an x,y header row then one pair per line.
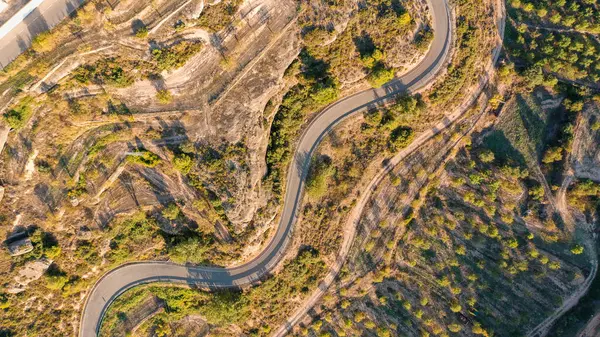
x,y
19,247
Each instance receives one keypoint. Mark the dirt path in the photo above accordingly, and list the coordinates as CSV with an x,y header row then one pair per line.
x,y
561,205
543,328
591,329
4,130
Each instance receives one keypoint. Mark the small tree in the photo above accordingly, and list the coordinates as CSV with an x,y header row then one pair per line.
x,y
164,96
537,192
380,76
454,328
455,306
142,32
486,156
553,154
495,101
577,249
183,163
477,329
171,212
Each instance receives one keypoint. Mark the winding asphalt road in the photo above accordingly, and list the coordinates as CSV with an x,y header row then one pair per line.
x,y
115,282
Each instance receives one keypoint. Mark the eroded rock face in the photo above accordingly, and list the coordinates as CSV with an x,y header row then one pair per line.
x,y
586,153
243,120
225,99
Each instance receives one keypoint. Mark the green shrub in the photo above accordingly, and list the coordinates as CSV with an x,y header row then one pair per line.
x,y
171,212
400,138
423,39
79,189
317,37
586,188
52,252
56,282
380,75
454,328
105,71
179,26
316,182
176,56
455,306
537,192
486,156
553,154
191,250
19,115
383,332
216,17
145,158
226,307
577,249
142,32
4,301
554,265
183,163
324,94
404,19
164,96
44,42
408,105
573,106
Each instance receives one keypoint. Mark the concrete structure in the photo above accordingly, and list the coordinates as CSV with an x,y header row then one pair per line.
x,y
35,17
3,6
19,247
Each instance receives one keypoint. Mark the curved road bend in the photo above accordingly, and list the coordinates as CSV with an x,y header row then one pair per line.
x,y
115,282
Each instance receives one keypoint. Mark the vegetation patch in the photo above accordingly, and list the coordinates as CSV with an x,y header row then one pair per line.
x,y
569,55
216,17
268,303
320,171
472,26
175,56
104,71
144,157
315,89
581,15
18,115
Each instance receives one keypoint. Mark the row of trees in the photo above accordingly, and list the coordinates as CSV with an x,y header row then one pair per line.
x,y
582,15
